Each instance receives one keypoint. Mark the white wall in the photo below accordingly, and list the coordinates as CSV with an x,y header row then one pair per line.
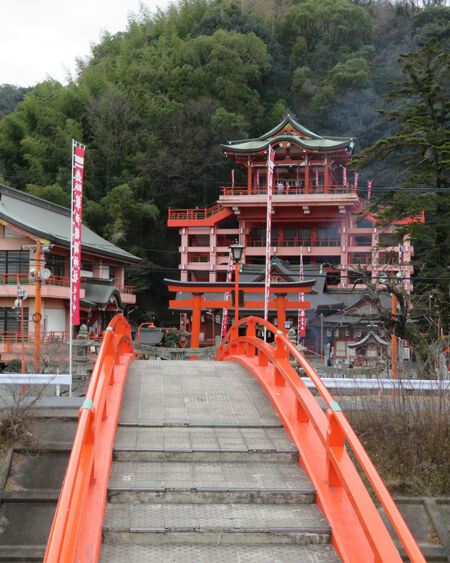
x,y
54,320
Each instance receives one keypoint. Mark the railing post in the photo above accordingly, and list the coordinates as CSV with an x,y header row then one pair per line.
x,y
335,442
251,333
280,354
234,332
300,413
262,358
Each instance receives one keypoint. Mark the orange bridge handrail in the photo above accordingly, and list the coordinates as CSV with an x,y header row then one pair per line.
x,y
77,525
358,532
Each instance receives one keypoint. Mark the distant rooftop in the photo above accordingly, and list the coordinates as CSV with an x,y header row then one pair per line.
x,y
52,222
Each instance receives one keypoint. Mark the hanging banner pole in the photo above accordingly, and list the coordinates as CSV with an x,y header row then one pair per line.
x,y
369,189
227,294
75,239
301,329
355,186
270,167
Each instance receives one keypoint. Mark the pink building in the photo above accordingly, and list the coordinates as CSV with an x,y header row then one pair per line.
x,y
26,220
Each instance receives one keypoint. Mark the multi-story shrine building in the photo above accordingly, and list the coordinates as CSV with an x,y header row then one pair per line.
x,y
316,211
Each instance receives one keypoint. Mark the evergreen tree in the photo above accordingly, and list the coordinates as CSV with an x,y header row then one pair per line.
x,y
420,152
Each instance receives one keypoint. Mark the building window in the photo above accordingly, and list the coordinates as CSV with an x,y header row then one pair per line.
x,y
364,224
341,349
86,269
14,262
56,264
328,237
10,321
304,236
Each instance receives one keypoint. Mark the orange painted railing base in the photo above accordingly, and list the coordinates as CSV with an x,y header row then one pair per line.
x,y
76,533
358,532
90,533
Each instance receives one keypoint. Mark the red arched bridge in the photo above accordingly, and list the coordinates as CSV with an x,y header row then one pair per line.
x,y
231,460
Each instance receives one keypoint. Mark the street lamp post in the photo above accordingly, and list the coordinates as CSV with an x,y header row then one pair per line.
x,y
321,338
236,251
400,277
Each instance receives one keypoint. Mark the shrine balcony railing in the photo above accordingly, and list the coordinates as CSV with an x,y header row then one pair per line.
x,y
15,337
23,279
363,259
194,214
128,289
325,242
198,259
54,281
290,190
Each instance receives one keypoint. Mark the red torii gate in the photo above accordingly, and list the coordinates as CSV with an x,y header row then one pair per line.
x,y
197,302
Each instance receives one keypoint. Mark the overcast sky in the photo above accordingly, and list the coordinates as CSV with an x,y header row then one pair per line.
x,y
41,38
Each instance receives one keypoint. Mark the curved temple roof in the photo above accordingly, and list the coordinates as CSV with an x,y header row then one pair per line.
x,y
291,131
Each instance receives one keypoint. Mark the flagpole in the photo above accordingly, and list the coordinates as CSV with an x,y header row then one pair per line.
x,y
301,312
270,167
71,263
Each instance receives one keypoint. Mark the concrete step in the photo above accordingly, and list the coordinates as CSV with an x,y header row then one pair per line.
x,y
181,443
242,553
194,393
22,553
215,523
209,482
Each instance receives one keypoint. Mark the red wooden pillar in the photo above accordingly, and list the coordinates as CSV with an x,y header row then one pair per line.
x,y
306,176
196,315
281,311
326,178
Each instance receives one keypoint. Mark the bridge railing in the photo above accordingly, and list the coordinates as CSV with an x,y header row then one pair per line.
x,y
358,532
90,460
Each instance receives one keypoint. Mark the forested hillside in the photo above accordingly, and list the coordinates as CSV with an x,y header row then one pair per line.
x,y
153,102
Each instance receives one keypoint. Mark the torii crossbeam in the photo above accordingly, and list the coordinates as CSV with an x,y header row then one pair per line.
x,y
197,302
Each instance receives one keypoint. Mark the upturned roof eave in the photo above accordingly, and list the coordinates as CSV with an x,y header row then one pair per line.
x,y
246,146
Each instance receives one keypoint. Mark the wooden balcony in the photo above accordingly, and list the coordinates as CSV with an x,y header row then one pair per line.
x,y
289,190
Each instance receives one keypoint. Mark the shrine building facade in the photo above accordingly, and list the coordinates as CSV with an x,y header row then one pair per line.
x,y
316,211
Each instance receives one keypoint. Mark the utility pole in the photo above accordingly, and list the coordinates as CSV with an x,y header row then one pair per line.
x,y
38,274
394,340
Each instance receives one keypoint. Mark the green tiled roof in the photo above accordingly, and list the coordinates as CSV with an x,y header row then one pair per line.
x,y
52,222
311,142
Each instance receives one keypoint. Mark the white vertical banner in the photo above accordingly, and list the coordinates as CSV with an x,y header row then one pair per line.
x,y
301,329
344,176
270,167
227,294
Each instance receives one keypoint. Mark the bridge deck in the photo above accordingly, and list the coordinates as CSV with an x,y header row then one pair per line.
x,y
204,471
